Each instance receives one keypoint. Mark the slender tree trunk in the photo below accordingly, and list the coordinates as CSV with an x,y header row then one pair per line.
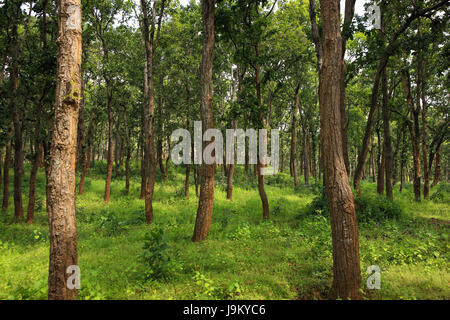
x,y
61,170
15,113
35,167
437,168
295,111
110,152
346,270
128,152
422,89
6,166
414,131
151,43
206,199
86,154
387,147
230,172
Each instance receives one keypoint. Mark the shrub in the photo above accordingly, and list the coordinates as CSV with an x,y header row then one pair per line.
x,y
377,208
110,224
441,194
368,208
156,256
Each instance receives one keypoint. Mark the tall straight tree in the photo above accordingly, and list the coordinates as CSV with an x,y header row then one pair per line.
x,y
346,269
63,152
151,43
206,198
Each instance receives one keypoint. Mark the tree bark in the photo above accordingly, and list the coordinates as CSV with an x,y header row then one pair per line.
x,y
206,199
346,270
61,169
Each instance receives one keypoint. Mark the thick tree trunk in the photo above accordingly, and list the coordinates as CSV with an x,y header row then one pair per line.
x,y
61,170
206,199
346,270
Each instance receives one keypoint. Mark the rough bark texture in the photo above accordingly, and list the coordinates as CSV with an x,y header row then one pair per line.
x,y
63,152
346,269
206,198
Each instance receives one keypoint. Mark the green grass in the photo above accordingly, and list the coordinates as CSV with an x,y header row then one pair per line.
x,y
287,257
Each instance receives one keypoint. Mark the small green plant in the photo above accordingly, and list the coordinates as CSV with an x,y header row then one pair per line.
x,y
109,223
156,256
442,193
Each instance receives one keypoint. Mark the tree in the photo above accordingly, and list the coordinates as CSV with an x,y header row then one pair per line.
x,y
62,162
206,198
151,44
346,270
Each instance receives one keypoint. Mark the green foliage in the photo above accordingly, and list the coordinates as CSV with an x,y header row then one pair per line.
x,y
110,224
368,208
377,208
441,195
156,256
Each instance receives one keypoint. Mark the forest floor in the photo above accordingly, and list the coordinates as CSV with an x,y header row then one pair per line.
x,y
286,257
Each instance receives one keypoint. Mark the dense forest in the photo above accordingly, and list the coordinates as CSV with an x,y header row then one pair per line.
x,y
349,105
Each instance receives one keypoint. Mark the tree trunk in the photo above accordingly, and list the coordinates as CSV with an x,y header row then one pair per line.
x,y
35,167
387,147
61,170
437,168
346,270
151,43
206,199
295,111
422,89
414,131
86,154
16,117
128,152
6,166
110,152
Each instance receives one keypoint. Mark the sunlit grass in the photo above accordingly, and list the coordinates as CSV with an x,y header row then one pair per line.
x,y
287,257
